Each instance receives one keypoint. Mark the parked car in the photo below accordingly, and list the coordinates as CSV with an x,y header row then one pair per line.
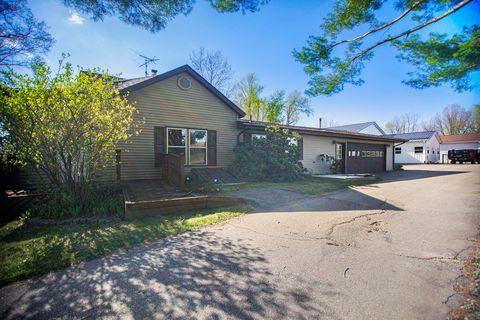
x,y
466,155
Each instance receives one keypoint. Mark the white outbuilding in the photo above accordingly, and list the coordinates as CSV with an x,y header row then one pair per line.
x,y
420,147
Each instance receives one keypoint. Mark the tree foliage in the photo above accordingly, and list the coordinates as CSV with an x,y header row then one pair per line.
x,y
454,119
332,62
408,122
22,37
154,15
295,105
214,67
65,125
249,97
275,109
275,158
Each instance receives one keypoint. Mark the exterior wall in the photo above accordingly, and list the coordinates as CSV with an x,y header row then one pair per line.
x,y
444,147
371,129
313,146
165,104
408,154
433,150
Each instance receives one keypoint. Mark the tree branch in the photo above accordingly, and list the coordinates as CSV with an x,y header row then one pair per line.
x,y
388,24
412,30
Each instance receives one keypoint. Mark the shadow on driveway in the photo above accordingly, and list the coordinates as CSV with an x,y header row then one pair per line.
x,y
195,275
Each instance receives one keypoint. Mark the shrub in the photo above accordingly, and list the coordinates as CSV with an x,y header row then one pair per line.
x,y
103,199
274,158
397,166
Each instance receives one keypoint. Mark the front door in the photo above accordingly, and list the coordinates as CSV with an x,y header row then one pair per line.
x,y
340,157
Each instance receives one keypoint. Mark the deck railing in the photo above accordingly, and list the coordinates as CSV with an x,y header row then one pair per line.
x,y
173,169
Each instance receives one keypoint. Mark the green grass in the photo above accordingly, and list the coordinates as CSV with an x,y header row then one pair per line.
x,y
311,186
28,250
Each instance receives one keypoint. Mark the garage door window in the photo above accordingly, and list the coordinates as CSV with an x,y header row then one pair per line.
x,y
418,149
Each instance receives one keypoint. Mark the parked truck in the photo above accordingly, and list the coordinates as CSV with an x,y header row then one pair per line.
x,y
465,155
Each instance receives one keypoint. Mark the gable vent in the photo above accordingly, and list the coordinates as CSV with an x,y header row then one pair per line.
x,y
184,83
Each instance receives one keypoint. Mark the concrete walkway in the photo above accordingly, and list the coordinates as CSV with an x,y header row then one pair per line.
x,y
392,250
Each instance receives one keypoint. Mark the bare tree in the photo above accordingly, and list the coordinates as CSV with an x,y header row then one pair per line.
x,y
214,67
407,122
454,119
22,37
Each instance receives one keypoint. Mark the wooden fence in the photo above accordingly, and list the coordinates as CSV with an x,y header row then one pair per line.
x,y
173,169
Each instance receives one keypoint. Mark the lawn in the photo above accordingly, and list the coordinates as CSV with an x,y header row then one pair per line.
x,y
27,250
311,186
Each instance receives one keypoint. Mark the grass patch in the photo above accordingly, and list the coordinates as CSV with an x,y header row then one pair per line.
x,y
28,250
311,186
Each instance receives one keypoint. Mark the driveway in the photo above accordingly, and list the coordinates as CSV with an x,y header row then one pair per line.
x,y
391,250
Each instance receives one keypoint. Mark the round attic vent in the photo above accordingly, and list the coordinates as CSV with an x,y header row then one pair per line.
x,y
184,83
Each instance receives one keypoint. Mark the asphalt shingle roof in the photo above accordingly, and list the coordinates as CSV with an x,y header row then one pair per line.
x,y
424,135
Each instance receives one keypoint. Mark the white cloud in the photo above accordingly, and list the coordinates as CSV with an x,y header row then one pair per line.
x,y
75,18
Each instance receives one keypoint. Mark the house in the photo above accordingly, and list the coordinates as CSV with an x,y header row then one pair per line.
x,y
184,114
365,127
420,147
186,118
457,142
357,152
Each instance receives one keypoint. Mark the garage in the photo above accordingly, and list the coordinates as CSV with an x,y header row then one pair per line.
x,y
365,158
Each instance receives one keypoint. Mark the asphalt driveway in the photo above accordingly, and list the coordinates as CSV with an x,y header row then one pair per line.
x,y
391,250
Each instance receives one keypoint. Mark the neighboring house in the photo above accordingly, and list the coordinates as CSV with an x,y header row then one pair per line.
x,y
420,147
366,127
358,152
457,142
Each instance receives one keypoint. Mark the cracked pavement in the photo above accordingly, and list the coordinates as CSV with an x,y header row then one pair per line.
x,y
390,250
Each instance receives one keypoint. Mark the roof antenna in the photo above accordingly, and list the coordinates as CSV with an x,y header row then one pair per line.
x,y
146,62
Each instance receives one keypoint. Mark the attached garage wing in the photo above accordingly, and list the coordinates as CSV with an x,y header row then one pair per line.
x,y
365,158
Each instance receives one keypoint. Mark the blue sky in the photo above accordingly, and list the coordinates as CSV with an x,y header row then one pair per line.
x,y
261,42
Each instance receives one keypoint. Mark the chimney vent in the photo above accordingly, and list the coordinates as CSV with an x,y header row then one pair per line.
x,y
320,123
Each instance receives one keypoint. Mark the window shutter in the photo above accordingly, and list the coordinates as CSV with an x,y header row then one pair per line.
x,y
159,144
300,148
212,147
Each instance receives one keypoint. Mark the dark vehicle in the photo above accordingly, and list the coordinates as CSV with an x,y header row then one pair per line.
x,y
466,155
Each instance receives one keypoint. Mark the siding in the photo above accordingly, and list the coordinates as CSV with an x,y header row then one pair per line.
x,y
444,147
313,146
371,129
408,154
165,104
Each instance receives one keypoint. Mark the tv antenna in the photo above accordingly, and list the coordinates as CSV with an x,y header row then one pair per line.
x,y
146,62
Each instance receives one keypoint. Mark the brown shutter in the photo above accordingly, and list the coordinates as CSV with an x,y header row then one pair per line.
x,y
159,144
212,147
300,148
247,137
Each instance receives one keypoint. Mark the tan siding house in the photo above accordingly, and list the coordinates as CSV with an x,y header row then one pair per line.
x,y
164,104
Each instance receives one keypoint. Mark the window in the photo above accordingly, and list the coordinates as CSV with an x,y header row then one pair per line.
x,y
256,136
339,151
398,150
196,145
418,149
381,153
364,154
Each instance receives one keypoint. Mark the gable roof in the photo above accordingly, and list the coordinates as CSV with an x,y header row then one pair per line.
x,y
259,125
129,85
459,138
424,135
357,127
